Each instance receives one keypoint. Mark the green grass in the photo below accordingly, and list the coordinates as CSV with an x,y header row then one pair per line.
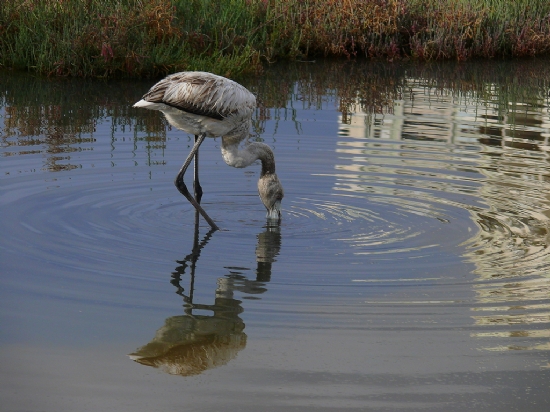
x,y
144,38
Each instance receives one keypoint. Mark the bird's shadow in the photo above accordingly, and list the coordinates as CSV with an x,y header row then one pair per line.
x,y
208,335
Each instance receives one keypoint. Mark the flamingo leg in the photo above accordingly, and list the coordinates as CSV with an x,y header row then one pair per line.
x,y
180,184
196,184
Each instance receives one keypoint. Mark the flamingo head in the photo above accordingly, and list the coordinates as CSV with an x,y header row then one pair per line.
x,y
271,193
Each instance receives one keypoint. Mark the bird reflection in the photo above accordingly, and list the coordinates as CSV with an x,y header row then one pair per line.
x,y
192,343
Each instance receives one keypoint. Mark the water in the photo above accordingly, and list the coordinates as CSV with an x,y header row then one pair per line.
x,y
409,272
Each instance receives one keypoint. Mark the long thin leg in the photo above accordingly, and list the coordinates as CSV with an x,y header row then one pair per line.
x,y
196,184
190,261
180,184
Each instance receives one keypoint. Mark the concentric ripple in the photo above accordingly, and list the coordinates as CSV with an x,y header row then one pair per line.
x,y
381,227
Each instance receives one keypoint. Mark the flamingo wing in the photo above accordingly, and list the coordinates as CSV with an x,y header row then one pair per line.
x,y
203,94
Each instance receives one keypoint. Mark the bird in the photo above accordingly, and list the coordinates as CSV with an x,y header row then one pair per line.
x,y
207,105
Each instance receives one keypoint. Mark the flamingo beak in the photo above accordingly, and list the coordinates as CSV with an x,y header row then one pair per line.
x,y
275,212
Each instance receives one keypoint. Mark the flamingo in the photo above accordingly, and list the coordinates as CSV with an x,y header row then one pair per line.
x,y
207,105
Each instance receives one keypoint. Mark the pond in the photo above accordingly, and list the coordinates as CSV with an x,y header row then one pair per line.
x,y
410,270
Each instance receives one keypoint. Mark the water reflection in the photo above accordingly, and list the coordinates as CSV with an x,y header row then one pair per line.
x,y
421,151
416,226
58,119
192,343
64,115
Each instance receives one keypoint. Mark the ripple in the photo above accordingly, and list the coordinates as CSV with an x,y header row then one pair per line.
x,y
497,189
380,228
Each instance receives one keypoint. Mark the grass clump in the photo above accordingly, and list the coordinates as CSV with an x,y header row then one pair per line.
x,y
107,38
422,29
140,38
89,37
464,29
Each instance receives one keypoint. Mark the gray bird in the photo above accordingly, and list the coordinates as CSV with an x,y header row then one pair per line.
x,y
207,105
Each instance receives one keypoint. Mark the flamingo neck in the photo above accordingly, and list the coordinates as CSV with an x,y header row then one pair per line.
x,y
235,156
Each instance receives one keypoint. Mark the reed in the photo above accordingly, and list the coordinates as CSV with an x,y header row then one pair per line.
x,y
143,38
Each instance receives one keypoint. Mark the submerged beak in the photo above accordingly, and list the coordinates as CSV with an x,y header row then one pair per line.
x,y
275,212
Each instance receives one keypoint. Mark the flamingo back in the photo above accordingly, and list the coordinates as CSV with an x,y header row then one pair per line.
x,y
204,94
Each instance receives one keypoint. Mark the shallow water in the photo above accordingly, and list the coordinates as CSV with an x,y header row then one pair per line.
x,y
410,270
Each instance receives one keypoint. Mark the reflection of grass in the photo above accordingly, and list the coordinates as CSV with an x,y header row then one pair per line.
x,y
41,107
56,118
154,37
375,86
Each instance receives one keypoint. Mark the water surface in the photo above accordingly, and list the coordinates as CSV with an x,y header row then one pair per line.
x,y
410,270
